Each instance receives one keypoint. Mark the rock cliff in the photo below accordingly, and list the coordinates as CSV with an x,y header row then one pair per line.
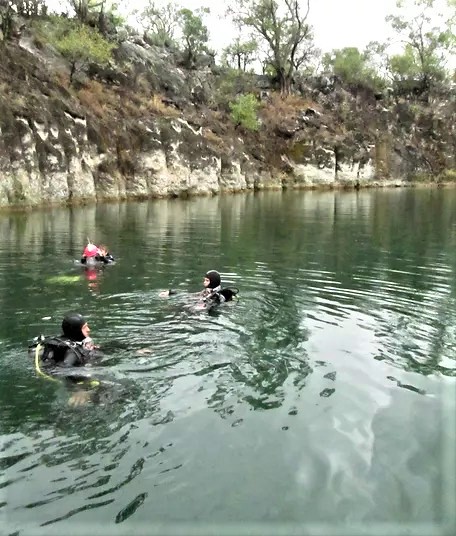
x,y
146,127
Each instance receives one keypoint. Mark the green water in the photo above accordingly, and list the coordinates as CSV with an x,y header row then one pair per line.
x,y
321,402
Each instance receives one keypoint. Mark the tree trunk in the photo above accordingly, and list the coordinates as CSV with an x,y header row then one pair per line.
x,y
285,83
72,71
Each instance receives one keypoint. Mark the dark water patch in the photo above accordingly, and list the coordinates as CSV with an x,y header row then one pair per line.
x,y
131,508
9,461
76,511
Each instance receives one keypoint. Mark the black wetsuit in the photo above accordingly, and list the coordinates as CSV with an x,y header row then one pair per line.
x,y
105,259
216,296
213,294
63,352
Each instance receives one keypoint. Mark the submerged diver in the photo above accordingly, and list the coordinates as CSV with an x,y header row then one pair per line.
x,y
213,294
93,254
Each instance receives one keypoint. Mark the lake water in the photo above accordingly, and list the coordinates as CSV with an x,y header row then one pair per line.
x,y
321,402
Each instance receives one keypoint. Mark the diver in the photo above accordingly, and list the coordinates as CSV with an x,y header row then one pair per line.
x,y
89,254
93,254
103,255
74,348
59,355
212,295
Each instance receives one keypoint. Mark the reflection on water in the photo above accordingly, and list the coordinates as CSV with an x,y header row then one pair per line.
x,y
315,399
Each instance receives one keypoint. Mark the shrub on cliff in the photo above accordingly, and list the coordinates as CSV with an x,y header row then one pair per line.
x,y
82,45
230,83
244,111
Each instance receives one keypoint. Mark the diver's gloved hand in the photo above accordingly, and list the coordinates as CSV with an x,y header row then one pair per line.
x,y
79,398
88,344
166,293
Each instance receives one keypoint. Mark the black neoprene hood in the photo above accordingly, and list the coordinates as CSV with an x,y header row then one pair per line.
x,y
72,325
214,278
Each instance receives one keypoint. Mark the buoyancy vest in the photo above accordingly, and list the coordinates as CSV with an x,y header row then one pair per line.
x,y
51,352
55,349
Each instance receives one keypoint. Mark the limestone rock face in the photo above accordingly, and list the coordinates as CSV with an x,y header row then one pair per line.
x,y
146,127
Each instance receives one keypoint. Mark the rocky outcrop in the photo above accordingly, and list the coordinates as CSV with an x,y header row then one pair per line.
x,y
145,127
55,162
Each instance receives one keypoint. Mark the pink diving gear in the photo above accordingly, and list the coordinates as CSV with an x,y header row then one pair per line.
x,y
91,250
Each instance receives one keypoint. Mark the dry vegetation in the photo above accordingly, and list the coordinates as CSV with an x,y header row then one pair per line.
x,y
212,138
155,105
91,96
277,109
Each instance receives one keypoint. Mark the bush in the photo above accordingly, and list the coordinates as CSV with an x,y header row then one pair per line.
x,y
244,111
230,83
82,45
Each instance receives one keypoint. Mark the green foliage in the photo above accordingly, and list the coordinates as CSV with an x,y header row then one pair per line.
x,y
114,17
194,32
240,53
82,45
448,176
429,41
353,67
281,25
244,111
405,65
232,82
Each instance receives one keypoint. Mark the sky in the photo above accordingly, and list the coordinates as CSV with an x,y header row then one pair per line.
x,y
337,23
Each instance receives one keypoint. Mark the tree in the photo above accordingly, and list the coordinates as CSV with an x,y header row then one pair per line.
x,y
353,66
109,17
160,23
100,13
428,40
82,45
194,33
240,53
83,8
404,66
282,25
9,9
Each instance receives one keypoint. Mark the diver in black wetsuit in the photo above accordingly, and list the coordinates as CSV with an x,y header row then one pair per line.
x,y
74,348
59,356
213,293
71,360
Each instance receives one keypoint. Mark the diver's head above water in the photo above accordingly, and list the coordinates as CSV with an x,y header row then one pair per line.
x,y
212,279
91,250
75,327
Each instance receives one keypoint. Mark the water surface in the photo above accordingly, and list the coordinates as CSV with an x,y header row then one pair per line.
x,y
322,401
